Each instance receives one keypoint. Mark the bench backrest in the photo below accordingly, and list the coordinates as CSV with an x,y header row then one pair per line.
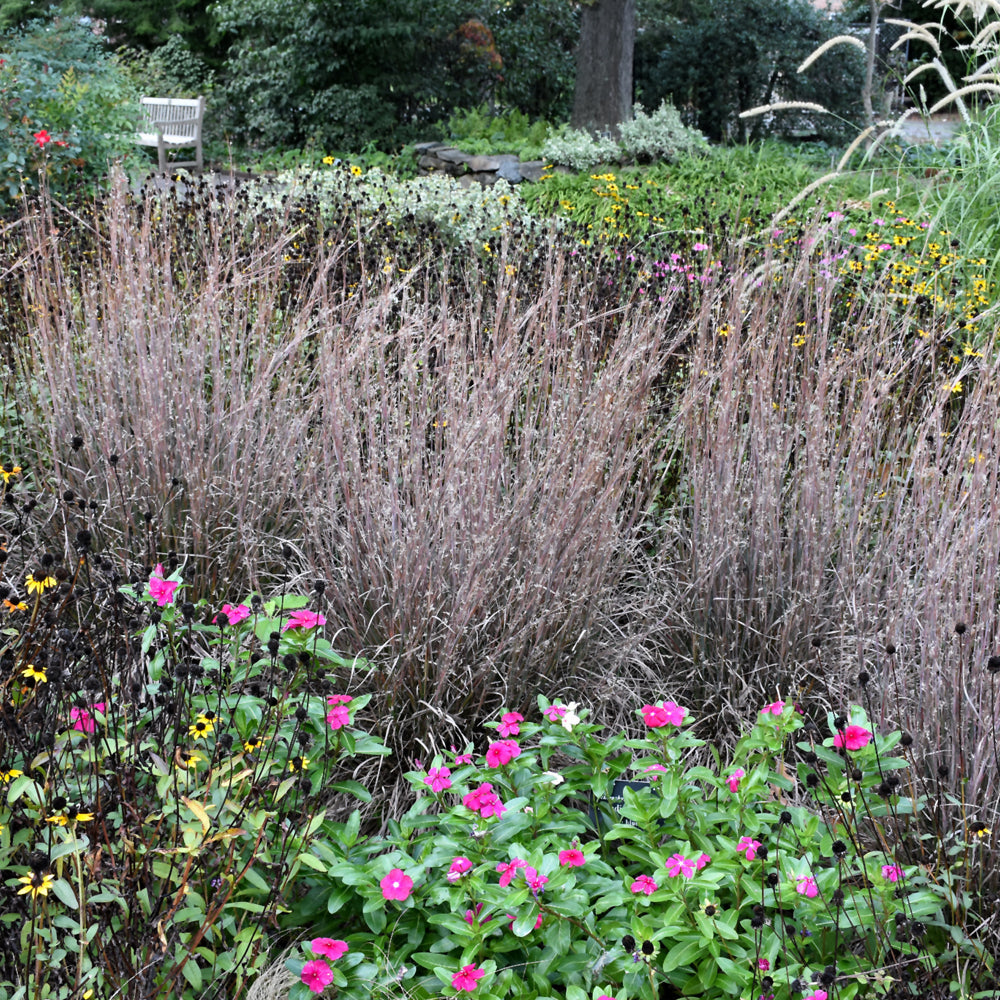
x,y
176,115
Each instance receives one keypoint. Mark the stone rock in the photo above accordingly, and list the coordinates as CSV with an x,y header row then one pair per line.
x,y
532,170
511,172
480,163
452,155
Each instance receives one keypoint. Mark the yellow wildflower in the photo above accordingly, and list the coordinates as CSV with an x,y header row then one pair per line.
x,y
38,676
36,884
39,581
9,474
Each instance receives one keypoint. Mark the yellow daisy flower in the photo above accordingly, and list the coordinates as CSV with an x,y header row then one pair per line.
x,y
39,581
9,474
38,676
36,884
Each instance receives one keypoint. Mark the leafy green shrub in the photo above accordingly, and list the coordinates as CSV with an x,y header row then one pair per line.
x,y
67,108
475,130
570,147
660,136
565,861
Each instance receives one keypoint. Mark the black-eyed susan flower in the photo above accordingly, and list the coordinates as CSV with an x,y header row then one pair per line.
x,y
201,727
297,764
188,759
6,776
58,819
39,581
9,474
36,884
251,745
33,674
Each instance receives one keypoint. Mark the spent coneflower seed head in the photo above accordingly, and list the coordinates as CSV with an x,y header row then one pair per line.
x,y
993,664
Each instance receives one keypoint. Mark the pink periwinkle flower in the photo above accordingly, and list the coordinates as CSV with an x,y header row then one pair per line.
x,y
775,708
818,995
806,886
554,712
734,779
459,866
748,845
654,771
467,978
438,779
536,881
317,975
234,615
338,717
604,996
702,860
892,873
509,724
853,737
700,246
161,589
669,713
643,884
512,917
82,720
509,869
328,947
396,885
501,752
572,858
484,801
303,619
677,864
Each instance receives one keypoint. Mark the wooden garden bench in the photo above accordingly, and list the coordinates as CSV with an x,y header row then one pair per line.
x,y
173,123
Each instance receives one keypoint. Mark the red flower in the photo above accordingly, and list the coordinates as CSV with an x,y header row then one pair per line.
x,y
42,137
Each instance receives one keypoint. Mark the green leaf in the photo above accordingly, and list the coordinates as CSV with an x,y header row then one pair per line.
x,y
69,847
192,973
64,892
350,787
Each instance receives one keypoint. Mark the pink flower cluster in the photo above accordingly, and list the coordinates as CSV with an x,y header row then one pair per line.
x,y
669,713
234,614
82,720
502,752
734,779
160,588
303,619
317,974
459,866
339,714
484,801
509,724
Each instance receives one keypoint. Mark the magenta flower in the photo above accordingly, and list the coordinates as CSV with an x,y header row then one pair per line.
x,y
699,246
654,771
775,708
512,917
462,758
501,753
536,882
604,996
459,866
161,589
82,720
572,858
234,614
763,963
702,860
328,947
853,737
677,864
509,870
338,717
339,699
317,975
806,886
303,619
643,884
749,845
892,873
734,779
396,885
554,712
484,801
669,713
438,779
818,995
509,724
466,978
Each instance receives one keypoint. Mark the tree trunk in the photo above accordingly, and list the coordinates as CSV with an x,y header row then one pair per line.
x,y
603,93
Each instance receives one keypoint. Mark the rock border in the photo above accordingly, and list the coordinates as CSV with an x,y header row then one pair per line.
x,y
469,168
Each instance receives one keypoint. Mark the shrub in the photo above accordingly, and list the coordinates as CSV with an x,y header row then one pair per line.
x,y
660,136
477,131
570,147
67,109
